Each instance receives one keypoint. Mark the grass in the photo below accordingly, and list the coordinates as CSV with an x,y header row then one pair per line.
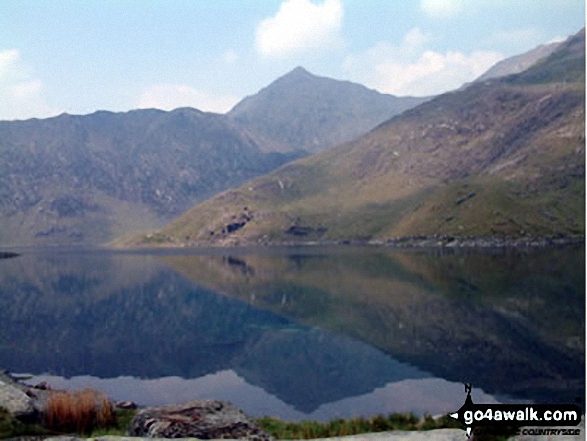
x,y
353,426
498,208
121,418
519,154
12,428
78,412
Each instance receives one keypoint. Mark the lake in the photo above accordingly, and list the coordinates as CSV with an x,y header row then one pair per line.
x,y
301,333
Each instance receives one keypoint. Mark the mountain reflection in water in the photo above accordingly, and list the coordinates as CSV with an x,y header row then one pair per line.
x,y
301,333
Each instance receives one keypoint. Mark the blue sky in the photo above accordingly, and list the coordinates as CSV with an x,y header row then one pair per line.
x,y
80,56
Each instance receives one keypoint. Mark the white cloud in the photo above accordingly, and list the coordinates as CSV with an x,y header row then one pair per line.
x,y
172,96
298,26
21,95
7,59
557,39
432,73
441,8
415,39
411,46
27,90
229,56
517,40
410,69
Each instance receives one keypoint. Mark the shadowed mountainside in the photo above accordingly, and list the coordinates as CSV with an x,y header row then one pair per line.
x,y
87,179
304,111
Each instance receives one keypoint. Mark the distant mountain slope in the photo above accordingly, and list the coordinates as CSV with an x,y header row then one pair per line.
x,y
87,179
565,65
304,111
502,157
519,63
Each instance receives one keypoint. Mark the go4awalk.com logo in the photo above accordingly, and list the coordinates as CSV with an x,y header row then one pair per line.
x,y
472,415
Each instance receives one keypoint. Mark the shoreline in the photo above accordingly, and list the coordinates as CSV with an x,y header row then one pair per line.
x,y
398,427
417,241
28,405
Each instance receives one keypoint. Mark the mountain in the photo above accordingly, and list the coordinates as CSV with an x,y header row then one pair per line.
x,y
87,179
304,111
566,65
519,63
506,156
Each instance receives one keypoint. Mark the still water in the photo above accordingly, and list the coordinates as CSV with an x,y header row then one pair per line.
x,y
301,333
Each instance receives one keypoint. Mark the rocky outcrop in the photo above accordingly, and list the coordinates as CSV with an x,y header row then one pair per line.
x,y
203,419
7,254
433,435
16,401
22,401
441,240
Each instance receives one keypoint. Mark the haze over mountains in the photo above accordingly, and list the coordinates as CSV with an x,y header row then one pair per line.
x,y
519,63
506,156
304,111
91,178
88,179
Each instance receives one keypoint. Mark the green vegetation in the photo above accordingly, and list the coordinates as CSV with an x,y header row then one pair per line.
x,y
353,426
12,428
565,65
356,426
484,206
502,158
123,417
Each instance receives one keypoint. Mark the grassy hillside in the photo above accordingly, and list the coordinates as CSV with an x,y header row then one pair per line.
x,y
503,157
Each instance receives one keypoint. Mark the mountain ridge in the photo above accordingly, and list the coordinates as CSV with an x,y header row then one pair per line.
x,y
300,110
519,63
89,178
504,157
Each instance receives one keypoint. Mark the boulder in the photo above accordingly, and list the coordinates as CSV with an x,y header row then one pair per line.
x,y
203,419
16,401
126,405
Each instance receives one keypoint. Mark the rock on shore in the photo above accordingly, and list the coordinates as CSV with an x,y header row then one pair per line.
x,y
16,401
22,401
203,419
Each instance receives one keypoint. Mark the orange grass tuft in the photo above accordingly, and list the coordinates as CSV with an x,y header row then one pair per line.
x,y
78,412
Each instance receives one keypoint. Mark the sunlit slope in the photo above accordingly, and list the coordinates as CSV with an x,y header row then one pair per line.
x,y
503,157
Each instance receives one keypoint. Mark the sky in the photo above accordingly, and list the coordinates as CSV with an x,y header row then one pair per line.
x,y
81,56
